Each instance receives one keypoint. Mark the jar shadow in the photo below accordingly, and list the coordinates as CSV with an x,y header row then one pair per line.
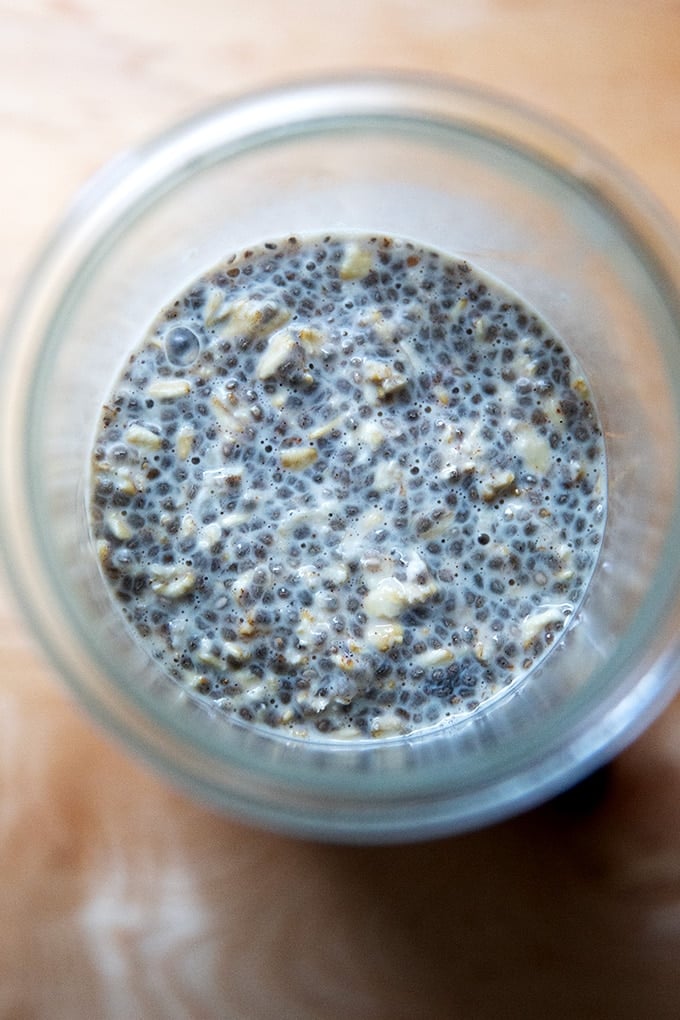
x,y
569,910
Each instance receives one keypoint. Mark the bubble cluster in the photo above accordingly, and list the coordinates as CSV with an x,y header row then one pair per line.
x,y
348,486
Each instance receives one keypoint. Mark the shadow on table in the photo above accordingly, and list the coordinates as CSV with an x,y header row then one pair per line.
x,y
571,910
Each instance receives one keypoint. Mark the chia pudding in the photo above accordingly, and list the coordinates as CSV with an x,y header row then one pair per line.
x,y
348,486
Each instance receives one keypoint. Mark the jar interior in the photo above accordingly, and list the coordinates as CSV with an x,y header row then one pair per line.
x,y
538,230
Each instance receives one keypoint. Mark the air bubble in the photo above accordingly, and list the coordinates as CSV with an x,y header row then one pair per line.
x,y
182,346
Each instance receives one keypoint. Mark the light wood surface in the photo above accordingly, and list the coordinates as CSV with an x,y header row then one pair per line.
x,y
121,899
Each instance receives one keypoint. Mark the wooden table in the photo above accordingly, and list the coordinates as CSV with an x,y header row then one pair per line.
x,y
121,899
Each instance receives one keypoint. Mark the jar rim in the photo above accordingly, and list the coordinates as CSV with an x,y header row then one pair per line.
x,y
115,196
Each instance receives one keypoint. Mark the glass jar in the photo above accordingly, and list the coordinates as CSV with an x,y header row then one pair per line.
x,y
466,172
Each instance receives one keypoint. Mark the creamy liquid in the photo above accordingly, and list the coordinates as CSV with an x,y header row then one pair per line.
x,y
348,486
